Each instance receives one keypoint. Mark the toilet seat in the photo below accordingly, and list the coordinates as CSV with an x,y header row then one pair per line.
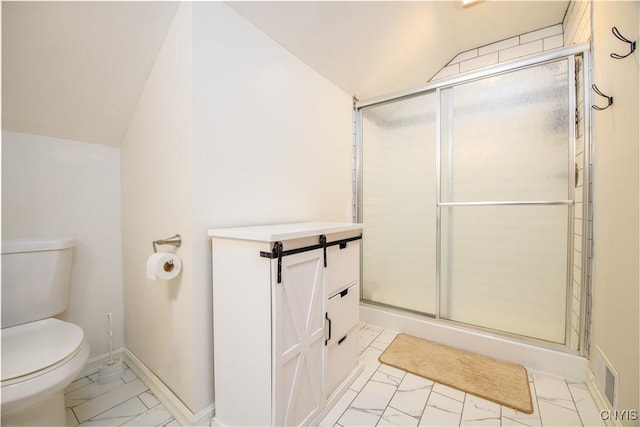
x,y
56,366
34,348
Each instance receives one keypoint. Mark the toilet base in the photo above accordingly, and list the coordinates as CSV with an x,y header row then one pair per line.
x,y
49,412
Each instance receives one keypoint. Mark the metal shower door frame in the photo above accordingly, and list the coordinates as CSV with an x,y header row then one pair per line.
x,y
569,54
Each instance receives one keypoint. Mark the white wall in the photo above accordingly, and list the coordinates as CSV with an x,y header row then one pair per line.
x,y
617,197
271,143
157,203
56,187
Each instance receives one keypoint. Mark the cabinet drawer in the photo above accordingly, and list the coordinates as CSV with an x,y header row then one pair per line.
x,y
343,267
342,357
343,309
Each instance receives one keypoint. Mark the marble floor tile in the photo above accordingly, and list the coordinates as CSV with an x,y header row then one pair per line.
x,y
480,412
108,400
441,410
390,370
382,395
371,401
411,395
355,416
587,409
90,391
449,392
107,422
369,358
126,400
79,383
367,335
338,409
383,340
71,418
553,390
555,415
507,422
128,376
156,416
148,399
393,417
125,411
531,420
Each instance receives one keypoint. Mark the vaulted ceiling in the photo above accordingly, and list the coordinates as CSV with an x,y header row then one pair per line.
x,y
371,48
75,70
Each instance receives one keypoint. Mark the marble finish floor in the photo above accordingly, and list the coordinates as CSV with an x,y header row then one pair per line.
x,y
386,396
125,402
380,396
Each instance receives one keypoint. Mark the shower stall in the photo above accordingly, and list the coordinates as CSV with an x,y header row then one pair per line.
x,y
474,193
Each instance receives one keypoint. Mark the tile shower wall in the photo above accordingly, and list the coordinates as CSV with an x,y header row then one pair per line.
x,y
578,212
515,47
505,50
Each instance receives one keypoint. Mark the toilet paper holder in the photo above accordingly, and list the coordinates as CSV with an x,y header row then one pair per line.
x,y
174,241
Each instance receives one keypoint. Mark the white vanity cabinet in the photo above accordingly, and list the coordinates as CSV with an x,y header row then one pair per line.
x,y
285,317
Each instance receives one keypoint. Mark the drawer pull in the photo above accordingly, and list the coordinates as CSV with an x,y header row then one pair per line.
x,y
342,339
343,293
326,316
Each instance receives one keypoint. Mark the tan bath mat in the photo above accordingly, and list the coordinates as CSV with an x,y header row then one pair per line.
x,y
485,377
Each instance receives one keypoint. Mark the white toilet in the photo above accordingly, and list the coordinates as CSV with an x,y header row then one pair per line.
x,y
40,355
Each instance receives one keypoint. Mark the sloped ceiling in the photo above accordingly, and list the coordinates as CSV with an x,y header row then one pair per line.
x,y
75,70
373,48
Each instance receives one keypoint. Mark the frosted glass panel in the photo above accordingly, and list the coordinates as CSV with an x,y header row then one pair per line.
x,y
505,268
399,203
506,137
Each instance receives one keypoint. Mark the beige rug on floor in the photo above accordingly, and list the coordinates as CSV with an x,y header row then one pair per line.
x,y
485,377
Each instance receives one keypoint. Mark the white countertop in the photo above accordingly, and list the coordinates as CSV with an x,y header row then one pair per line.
x,y
277,232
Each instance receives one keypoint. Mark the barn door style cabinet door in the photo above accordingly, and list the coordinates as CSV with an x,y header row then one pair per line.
x,y
285,317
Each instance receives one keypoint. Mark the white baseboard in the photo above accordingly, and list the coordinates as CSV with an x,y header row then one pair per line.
x,y
174,405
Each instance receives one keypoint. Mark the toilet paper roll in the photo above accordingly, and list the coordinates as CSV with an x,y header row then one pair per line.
x,y
163,266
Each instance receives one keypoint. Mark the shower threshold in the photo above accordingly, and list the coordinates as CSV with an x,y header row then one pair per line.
x,y
511,350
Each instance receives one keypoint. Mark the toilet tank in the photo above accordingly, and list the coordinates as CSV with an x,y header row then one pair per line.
x,y
35,278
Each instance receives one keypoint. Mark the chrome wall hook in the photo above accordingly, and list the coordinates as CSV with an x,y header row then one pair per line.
x,y
609,98
174,241
620,37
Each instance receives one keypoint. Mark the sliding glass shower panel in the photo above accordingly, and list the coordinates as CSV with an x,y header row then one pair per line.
x,y
506,137
399,203
506,201
505,268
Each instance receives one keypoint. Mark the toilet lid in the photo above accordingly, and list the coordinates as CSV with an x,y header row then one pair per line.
x,y
37,345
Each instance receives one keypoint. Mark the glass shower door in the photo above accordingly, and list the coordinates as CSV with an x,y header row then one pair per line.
x,y
506,208
399,203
